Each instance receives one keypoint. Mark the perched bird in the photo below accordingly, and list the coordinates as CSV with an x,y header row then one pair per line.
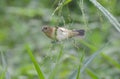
x,y
60,33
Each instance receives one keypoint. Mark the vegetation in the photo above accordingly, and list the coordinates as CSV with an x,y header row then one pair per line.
x,y
26,53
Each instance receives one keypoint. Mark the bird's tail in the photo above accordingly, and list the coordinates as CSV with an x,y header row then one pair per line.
x,y
80,32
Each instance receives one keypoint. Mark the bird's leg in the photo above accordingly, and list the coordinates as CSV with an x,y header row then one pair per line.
x,y
54,42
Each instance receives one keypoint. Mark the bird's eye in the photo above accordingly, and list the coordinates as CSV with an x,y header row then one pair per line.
x,y
45,28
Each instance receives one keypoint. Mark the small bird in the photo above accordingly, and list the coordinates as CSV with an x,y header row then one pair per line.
x,y
60,33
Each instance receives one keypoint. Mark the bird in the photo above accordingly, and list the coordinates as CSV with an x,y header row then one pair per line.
x,y
61,33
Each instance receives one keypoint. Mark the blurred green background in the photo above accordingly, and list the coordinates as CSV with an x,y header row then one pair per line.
x,y
21,22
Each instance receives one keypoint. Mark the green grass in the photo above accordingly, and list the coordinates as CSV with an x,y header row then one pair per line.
x,y
94,56
92,74
4,66
107,14
91,58
3,75
36,65
60,5
57,63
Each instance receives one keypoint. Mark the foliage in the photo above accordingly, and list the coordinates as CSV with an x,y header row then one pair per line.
x,y
76,58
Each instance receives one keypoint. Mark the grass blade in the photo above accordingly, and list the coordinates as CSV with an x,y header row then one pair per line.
x,y
107,14
5,74
78,74
2,76
61,5
88,61
112,61
80,65
53,73
92,74
40,74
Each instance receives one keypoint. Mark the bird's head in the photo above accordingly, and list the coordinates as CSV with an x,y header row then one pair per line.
x,y
48,31
45,29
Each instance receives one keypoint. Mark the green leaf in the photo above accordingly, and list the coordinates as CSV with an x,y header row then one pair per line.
x,y
107,14
2,76
92,74
40,74
89,60
67,1
61,5
112,61
54,71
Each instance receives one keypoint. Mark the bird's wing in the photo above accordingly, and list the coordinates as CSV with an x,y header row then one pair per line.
x,y
62,33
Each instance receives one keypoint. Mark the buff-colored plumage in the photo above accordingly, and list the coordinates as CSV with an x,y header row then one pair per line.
x,y
49,31
60,33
